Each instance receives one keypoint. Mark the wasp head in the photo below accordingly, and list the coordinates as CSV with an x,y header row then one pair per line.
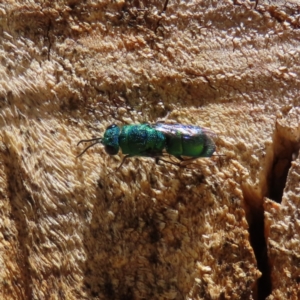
x,y
111,139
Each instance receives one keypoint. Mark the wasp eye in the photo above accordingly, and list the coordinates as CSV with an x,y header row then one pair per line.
x,y
111,150
111,126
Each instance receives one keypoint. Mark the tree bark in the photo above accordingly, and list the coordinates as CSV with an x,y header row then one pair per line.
x,y
78,228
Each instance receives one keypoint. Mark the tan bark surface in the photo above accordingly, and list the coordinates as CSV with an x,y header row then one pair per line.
x,y
75,228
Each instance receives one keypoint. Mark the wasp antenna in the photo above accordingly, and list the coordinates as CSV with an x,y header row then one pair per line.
x,y
88,147
90,140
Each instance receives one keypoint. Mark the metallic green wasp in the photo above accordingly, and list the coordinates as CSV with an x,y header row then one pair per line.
x,y
185,142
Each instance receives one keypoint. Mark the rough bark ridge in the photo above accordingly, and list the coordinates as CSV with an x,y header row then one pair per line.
x,y
74,228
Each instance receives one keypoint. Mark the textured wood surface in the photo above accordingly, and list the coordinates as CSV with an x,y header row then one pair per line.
x,y
75,228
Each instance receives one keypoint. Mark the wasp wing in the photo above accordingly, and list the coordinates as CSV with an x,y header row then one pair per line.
x,y
173,130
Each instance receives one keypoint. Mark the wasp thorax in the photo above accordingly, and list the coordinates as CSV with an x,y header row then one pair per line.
x,y
111,139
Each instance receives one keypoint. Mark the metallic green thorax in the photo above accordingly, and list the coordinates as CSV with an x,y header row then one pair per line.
x,y
141,140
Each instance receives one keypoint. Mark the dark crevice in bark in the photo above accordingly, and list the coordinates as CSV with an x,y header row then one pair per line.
x,y
255,218
259,245
284,154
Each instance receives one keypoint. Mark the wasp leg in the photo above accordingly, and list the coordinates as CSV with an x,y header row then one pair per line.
x,y
183,163
157,156
157,159
124,158
164,119
189,162
180,158
219,161
172,160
